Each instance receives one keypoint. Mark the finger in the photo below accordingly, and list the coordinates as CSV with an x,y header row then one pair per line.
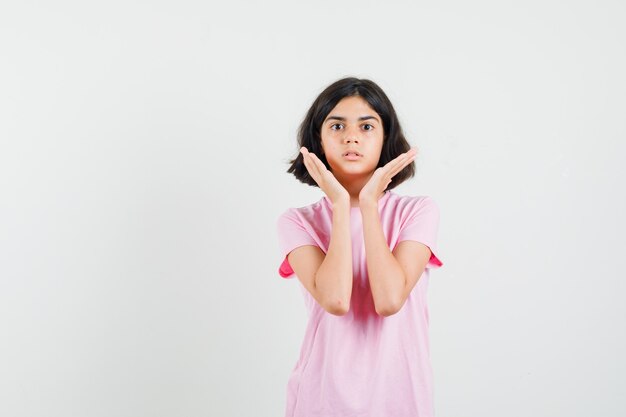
x,y
326,174
411,153
402,165
395,165
407,158
318,165
318,162
310,165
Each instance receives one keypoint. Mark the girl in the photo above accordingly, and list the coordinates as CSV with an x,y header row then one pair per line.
x,y
362,254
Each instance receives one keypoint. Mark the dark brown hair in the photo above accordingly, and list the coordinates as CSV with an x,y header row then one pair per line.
x,y
394,142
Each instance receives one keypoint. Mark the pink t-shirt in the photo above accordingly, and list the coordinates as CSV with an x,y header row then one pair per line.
x,y
362,364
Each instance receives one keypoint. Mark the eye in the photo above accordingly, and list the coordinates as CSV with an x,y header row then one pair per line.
x,y
368,127
336,126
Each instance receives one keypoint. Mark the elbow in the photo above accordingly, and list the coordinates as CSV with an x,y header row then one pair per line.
x,y
388,309
337,307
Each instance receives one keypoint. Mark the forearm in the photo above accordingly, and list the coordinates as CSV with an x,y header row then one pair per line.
x,y
386,276
333,279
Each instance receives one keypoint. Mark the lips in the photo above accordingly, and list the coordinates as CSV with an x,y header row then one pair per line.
x,y
352,153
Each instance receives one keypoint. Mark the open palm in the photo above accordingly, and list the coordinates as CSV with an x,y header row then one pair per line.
x,y
325,179
382,176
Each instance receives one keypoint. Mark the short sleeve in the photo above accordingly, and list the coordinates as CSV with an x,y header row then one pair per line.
x,y
291,234
422,226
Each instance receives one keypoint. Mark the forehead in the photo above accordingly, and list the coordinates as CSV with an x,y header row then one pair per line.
x,y
355,106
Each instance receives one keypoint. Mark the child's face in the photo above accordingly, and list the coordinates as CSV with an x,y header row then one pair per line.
x,y
352,125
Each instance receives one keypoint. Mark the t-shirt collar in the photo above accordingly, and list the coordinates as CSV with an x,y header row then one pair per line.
x,y
381,201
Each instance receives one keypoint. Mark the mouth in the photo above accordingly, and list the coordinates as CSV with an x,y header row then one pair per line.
x,y
352,156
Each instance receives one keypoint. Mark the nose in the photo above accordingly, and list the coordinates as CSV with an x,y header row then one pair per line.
x,y
351,136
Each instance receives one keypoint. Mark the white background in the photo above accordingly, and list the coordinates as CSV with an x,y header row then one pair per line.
x,y
142,169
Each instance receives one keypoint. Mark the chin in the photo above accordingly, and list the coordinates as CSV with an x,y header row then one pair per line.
x,y
356,173
351,169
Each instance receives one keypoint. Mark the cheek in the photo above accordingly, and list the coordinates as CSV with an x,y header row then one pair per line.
x,y
375,142
328,145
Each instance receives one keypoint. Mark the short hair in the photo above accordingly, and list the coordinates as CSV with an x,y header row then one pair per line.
x,y
394,142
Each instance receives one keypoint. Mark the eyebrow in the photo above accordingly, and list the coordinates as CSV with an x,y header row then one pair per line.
x,y
343,119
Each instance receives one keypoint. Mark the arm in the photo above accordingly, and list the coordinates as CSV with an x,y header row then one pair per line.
x,y
392,276
391,280
328,277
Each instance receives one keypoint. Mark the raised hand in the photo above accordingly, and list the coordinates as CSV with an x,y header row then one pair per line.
x,y
382,177
324,178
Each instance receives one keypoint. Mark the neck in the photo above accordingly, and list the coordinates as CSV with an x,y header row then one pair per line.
x,y
354,187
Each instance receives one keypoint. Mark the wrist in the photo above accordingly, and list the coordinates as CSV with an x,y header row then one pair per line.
x,y
341,203
368,204
368,201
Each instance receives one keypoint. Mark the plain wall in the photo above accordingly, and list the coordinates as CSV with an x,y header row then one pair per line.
x,y
143,149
